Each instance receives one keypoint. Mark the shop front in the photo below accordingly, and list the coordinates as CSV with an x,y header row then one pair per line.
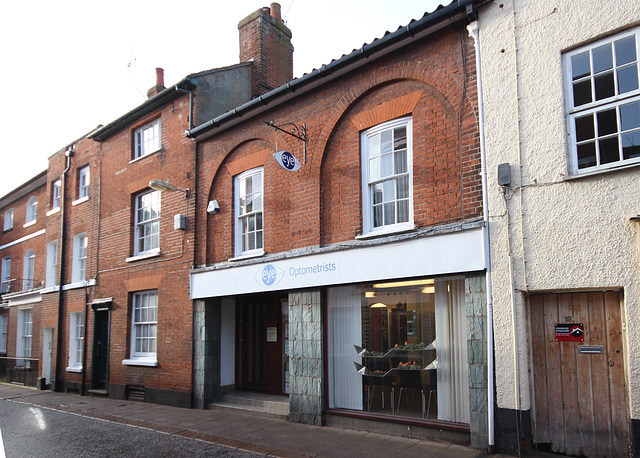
x,y
395,330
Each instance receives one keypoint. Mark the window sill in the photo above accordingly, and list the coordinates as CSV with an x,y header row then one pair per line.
x,y
53,211
50,289
132,161
74,369
80,200
149,362
242,257
8,229
590,173
79,284
140,257
29,224
384,232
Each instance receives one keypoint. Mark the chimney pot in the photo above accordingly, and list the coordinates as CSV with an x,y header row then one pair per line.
x,y
275,11
159,77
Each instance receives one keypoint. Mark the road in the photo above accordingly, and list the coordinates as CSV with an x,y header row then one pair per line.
x,y
31,431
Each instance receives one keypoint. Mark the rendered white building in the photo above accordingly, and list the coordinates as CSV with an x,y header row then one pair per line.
x,y
561,101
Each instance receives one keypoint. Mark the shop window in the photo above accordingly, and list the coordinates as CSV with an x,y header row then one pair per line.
x,y
603,95
400,348
249,209
387,184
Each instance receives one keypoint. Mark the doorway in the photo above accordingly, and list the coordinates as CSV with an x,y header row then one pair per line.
x,y
100,360
47,355
261,347
577,353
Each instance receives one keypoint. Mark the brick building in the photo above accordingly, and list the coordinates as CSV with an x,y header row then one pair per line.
x,y
350,275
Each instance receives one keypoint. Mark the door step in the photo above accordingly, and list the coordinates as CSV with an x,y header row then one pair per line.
x,y
256,404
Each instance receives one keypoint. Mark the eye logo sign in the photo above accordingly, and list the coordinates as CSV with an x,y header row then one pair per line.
x,y
269,275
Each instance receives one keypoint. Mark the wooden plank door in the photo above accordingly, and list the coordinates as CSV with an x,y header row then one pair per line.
x,y
580,398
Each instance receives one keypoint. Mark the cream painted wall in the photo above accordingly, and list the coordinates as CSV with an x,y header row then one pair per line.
x,y
565,234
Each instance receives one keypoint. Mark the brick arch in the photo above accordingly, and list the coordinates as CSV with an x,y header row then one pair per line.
x,y
451,89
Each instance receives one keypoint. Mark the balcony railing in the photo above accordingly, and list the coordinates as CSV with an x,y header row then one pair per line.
x,y
22,371
19,285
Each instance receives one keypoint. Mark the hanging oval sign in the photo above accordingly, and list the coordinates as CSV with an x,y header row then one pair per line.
x,y
287,160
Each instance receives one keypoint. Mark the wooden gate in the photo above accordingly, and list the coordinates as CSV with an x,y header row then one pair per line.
x,y
580,395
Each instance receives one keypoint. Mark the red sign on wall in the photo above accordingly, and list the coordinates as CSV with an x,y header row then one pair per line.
x,y
573,332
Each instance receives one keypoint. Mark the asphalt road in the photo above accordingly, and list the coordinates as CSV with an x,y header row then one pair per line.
x,y
31,431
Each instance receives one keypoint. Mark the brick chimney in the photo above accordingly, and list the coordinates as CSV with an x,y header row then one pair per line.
x,y
266,40
159,87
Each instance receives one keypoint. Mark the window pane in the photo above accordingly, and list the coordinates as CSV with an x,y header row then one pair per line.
x,y
259,221
609,151
403,211
582,93
580,65
605,86
377,193
400,138
630,116
252,223
386,165
248,204
385,142
389,190
401,161
607,122
625,50
584,128
389,213
602,58
257,202
403,187
251,244
627,79
259,239
374,169
631,145
374,146
586,155
377,216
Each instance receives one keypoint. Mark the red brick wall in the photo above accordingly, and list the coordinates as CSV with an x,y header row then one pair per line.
x,y
433,81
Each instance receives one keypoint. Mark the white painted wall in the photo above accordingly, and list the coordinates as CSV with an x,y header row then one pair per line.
x,y
565,234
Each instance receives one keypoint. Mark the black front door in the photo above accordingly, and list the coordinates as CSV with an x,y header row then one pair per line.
x,y
100,362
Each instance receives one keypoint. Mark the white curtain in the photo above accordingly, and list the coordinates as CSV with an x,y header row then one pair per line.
x,y
344,331
451,351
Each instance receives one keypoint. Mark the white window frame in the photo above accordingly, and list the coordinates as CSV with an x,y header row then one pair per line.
x,y
52,264
8,219
76,341
79,265
32,210
372,161
5,286
24,336
84,179
144,329
55,194
147,139
28,271
147,223
4,320
249,214
620,105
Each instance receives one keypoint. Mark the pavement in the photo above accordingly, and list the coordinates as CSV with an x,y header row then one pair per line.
x,y
261,435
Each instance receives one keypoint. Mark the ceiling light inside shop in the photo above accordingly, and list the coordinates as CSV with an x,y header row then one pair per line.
x,y
400,284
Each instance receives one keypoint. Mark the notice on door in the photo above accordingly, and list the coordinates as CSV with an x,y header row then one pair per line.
x,y
272,334
573,332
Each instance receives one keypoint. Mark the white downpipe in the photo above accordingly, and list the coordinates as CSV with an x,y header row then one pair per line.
x,y
474,33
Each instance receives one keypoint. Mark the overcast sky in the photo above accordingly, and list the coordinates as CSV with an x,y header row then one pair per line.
x,y
68,66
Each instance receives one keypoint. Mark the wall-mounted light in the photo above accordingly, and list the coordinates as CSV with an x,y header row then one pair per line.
x,y
160,185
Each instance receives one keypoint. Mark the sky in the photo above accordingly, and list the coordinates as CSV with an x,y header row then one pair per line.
x,y
68,66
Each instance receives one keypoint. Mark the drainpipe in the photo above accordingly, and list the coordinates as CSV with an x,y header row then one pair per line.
x,y
474,33
68,153
179,89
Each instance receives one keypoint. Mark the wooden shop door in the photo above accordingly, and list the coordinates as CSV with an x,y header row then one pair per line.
x,y
580,394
